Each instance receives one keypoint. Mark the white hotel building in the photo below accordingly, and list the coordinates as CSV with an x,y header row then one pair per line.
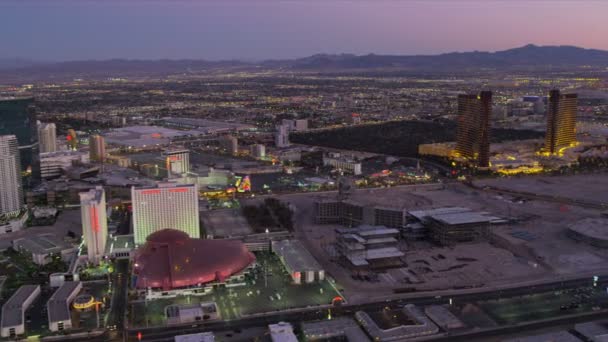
x,y
94,223
11,191
166,205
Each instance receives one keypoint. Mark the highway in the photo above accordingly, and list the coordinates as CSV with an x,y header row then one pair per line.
x,y
167,333
542,197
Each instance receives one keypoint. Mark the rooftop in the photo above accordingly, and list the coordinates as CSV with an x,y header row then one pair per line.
x,y
92,196
200,337
461,218
368,232
342,326
13,310
592,227
142,136
282,332
296,255
559,336
208,126
42,244
58,305
423,325
166,185
422,215
594,331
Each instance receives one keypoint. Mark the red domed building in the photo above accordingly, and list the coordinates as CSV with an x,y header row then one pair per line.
x,y
170,259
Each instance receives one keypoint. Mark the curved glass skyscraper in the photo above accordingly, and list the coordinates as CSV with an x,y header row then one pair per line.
x,y
18,117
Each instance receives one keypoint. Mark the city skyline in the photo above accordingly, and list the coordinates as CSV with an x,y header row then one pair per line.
x,y
279,29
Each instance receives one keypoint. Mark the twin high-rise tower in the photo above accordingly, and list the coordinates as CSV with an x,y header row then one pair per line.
x,y
473,135
474,115
561,121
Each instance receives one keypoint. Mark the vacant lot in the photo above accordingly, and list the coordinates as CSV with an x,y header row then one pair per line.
x,y
399,138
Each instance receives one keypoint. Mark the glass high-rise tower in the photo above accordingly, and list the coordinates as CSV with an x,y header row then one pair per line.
x,y
561,121
11,190
18,117
473,135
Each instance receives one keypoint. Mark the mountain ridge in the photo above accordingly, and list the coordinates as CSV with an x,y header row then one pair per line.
x,y
528,57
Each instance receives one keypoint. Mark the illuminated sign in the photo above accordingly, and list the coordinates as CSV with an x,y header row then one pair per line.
x,y
150,192
243,184
94,219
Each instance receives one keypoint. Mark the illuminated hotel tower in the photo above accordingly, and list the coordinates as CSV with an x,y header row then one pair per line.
x,y
166,205
72,140
97,148
177,162
47,137
94,223
561,121
473,135
11,191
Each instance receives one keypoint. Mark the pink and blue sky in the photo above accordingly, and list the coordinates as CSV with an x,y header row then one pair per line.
x,y
261,29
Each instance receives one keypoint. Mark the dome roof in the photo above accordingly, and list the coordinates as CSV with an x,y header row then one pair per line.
x,y
166,236
171,259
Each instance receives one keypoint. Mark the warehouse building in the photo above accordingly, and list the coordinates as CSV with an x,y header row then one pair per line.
x,y
422,326
189,313
351,213
368,246
298,261
282,332
42,247
58,307
13,311
450,225
199,337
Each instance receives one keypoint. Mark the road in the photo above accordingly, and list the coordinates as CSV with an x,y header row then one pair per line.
x,y
118,303
542,197
167,333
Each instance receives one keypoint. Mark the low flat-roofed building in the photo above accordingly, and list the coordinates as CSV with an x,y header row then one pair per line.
x,y
558,336
2,281
422,326
327,211
447,229
177,314
54,164
591,231
120,246
365,246
146,137
593,331
43,246
13,311
199,337
443,317
282,332
453,224
206,126
341,327
352,213
298,261
342,163
58,306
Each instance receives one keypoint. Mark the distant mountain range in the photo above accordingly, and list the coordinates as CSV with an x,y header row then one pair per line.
x,y
527,57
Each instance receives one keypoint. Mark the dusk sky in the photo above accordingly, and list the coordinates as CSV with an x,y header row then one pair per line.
x,y
261,29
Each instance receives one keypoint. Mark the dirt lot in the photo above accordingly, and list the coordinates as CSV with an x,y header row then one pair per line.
x,y
536,244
